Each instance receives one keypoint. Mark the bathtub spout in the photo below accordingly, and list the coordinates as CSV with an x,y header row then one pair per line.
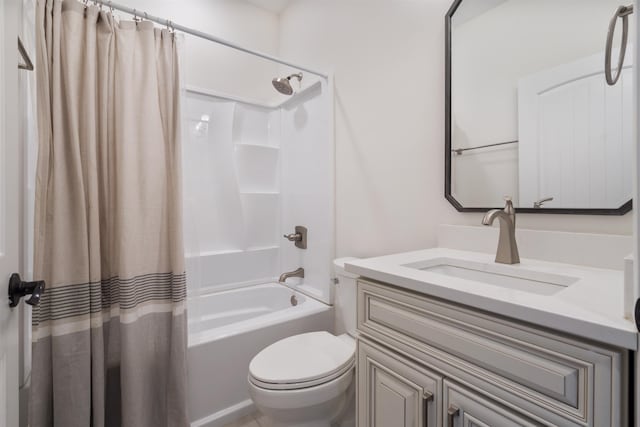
x,y
295,273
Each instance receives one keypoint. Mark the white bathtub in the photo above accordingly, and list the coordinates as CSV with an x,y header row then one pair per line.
x,y
229,328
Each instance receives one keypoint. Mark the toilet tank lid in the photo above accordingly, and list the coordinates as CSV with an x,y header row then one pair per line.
x,y
338,267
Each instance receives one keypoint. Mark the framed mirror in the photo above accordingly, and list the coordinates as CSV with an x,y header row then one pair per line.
x,y
528,111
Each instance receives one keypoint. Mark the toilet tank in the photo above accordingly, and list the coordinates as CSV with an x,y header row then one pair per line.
x,y
345,298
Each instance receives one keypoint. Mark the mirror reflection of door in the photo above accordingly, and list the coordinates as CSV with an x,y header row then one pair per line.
x,y
576,136
531,114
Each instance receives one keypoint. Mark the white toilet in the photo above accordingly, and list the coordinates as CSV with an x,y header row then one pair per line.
x,y
307,380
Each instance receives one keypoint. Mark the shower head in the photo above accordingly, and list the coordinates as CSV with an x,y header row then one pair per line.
x,y
283,84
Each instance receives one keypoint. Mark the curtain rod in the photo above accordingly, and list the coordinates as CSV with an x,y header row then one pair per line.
x,y
205,36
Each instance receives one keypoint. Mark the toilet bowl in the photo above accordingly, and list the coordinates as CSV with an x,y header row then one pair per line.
x,y
303,380
307,380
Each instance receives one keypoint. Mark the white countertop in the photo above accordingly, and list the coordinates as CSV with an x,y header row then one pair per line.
x,y
592,307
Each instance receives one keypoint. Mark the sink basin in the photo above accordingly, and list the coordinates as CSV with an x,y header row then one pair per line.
x,y
505,276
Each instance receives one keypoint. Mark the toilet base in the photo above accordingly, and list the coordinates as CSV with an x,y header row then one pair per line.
x,y
312,407
325,415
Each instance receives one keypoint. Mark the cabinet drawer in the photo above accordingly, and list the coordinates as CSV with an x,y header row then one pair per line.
x,y
575,380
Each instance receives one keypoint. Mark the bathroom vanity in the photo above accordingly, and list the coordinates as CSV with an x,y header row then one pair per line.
x,y
450,338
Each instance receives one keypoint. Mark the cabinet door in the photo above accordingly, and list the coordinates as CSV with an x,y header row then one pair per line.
x,y
393,392
466,408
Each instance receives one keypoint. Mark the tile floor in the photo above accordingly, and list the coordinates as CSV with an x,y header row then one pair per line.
x,y
258,420
253,420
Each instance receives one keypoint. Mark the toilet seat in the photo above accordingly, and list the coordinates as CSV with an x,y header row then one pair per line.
x,y
300,385
302,361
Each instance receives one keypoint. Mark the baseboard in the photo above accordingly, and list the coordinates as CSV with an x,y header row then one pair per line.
x,y
227,415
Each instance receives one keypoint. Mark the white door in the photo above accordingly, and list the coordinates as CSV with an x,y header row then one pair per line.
x,y
10,203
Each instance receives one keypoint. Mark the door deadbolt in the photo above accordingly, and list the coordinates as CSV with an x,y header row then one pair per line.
x,y
18,289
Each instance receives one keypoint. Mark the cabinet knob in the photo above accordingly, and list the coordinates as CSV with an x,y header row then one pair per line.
x,y
427,397
452,413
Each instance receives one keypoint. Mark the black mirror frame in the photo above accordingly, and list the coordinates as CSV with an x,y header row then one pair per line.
x,y
625,208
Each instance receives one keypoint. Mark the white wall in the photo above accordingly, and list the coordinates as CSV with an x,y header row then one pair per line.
x,y
216,67
388,58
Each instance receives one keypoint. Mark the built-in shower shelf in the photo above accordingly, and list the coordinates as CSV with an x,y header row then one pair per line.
x,y
213,253
257,126
231,251
262,248
257,145
219,268
257,168
260,193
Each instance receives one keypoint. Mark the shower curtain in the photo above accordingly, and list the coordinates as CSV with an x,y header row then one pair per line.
x,y
109,336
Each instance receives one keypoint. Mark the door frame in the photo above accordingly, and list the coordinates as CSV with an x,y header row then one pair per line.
x,y
11,222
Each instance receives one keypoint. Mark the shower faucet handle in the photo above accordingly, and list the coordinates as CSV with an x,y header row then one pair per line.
x,y
299,237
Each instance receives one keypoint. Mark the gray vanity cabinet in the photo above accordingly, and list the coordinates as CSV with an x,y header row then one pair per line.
x,y
466,408
396,393
427,362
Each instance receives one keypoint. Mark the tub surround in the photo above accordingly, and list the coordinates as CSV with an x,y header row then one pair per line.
x,y
253,159
592,307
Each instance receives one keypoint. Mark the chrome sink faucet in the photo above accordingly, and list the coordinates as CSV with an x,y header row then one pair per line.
x,y
295,273
507,252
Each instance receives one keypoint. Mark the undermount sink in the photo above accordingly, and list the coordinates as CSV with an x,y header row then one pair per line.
x,y
505,276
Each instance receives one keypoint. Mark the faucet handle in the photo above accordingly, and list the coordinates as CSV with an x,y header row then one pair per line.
x,y
508,205
299,237
293,237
